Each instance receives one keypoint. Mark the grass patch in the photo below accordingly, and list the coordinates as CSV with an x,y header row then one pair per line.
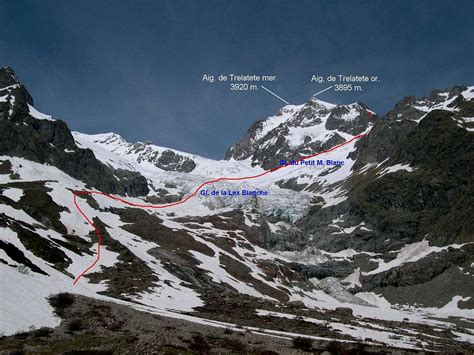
x,y
60,302
304,344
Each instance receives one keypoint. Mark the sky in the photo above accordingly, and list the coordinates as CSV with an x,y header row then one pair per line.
x,y
136,67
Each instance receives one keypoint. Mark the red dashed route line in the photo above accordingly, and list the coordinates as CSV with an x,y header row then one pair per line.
x,y
187,198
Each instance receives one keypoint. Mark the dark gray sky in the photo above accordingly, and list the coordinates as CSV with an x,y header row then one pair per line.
x,y
135,67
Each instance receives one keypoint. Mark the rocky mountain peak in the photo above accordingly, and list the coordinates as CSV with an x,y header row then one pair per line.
x,y
320,105
10,85
8,77
457,90
110,139
300,130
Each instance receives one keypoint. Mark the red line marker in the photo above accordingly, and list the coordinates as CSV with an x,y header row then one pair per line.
x,y
185,199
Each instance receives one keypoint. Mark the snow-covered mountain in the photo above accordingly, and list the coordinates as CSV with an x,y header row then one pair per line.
x,y
348,245
141,153
301,130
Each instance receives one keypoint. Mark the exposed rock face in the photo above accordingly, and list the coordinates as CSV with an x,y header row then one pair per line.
x,y
324,270
403,119
432,280
50,141
167,160
412,180
337,120
297,131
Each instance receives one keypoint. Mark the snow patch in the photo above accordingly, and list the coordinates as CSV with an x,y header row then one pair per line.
x,y
13,193
38,115
396,167
411,253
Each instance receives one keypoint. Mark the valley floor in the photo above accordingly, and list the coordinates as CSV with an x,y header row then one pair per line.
x,y
90,325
